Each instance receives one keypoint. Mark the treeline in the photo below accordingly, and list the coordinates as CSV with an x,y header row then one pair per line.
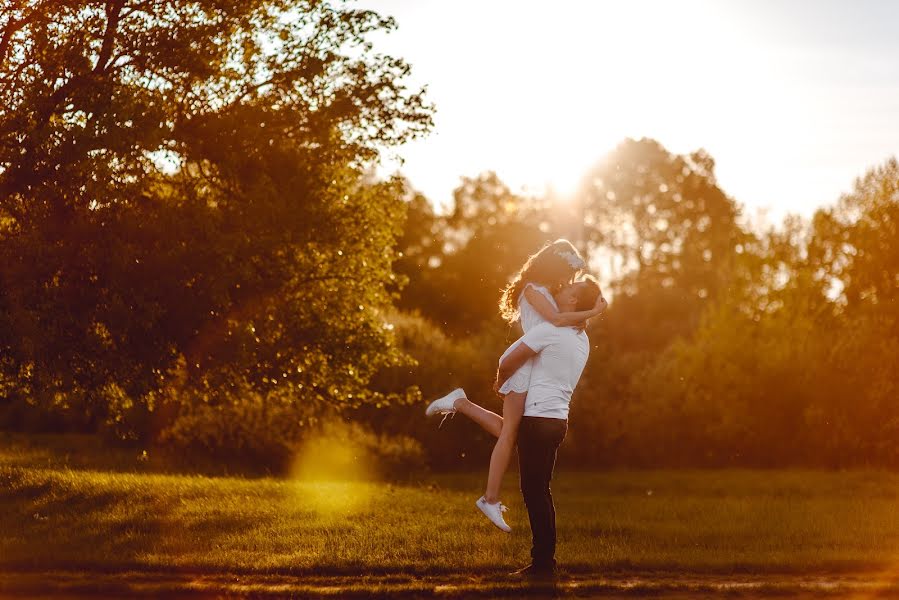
x,y
723,345
194,257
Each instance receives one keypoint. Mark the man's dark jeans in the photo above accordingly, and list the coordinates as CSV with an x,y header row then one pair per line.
x,y
538,440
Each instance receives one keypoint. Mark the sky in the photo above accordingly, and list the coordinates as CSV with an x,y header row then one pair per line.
x,y
794,99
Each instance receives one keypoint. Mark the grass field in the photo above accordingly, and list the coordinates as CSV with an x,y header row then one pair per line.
x,y
56,516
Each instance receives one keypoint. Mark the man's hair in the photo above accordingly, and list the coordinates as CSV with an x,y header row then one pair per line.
x,y
586,294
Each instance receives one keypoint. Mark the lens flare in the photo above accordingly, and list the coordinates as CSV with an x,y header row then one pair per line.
x,y
334,476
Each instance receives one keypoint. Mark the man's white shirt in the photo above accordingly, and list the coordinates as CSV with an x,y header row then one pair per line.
x,y
561,355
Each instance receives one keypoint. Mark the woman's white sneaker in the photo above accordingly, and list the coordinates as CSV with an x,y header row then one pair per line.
x,y
494,512
446,404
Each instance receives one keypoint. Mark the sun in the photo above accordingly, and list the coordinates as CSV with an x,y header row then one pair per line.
x,y
564,176
555,163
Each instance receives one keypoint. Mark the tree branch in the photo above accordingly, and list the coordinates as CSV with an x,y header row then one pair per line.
x,y
12,27
113,12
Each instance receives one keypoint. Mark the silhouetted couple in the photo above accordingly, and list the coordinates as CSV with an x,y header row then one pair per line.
x,y
536,377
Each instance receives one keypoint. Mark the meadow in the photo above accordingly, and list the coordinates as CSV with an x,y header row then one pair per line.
x,y
57,514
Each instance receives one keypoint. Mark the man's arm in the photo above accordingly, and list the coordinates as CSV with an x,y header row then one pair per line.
x,y
562,319
517,357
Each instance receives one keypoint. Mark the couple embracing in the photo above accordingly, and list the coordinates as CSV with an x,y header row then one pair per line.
x,y
536,377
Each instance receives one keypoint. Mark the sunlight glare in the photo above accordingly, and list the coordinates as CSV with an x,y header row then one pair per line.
x,y
333,474
559,88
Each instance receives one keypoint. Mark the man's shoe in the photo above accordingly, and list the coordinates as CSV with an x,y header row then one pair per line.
x,y
445,405
494,512
538,572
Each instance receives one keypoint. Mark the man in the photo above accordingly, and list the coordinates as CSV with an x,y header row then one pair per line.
x,y
560,354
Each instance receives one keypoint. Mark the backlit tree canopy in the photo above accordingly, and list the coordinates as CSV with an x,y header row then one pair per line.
x,y
181,198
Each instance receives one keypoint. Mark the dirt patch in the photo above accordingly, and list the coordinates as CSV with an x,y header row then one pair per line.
x,y
81,584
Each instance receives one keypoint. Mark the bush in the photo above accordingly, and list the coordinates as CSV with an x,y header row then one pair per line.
x,y
258,431
335,449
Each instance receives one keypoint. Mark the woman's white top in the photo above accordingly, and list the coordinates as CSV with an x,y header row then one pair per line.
x,y
529,318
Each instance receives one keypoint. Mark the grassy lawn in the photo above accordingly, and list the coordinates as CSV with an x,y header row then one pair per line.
x,y
54,515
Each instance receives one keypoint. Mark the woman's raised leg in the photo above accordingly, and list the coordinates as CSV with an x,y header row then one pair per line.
x,y
513,409
490,421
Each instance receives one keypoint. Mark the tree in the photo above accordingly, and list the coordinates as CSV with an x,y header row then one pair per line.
x,y
487,236
420,249
661,221
796,363
854,254
182,200
855,243
671,230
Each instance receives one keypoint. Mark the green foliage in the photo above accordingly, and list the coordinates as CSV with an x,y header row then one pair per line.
x,y
458,264
668,227
796,365
855,241
265,433
242,425
185,211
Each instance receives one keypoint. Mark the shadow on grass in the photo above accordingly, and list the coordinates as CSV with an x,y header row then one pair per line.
x,y
86,452
50,523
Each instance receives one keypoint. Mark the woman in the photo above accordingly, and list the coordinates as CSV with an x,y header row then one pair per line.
x,y
528,299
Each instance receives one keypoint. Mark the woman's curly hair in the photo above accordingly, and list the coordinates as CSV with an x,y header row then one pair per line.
x,y
553,265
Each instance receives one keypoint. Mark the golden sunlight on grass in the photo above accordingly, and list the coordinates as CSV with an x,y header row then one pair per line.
x,y
333,474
